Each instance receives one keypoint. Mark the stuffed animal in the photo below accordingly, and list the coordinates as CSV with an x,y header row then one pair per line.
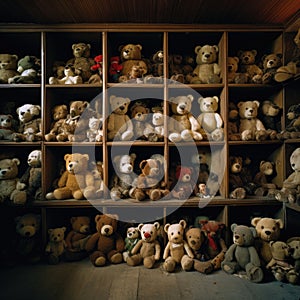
x,y
135,75
32,177
177,250
157,63
70,76
77,238
294,244
242,255
279,265
188,67
76,181
233,122
271,63
8,67
123,177
59,116
176,68
183,126
207,69
115,68
292,129
106,244
6,127
97,69
119,125
249,67
251,128
268,229
209,120
30,128
56,245
232,68
290,191
95,133
139,115
29,68
155,131
28,243
10,187
200,162
147,250
132,238
236,183
97,172
292,68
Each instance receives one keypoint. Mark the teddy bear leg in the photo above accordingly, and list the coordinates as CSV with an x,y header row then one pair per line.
x,y
78,195
62,193
89,192
134,260
247,135
154,194
285,73
230,267
169,264
261,135
127,136
115,257
292,276
204,267
278,273
62,137
149,262
49,137
217,135
187,263
238,193
254,273
186,135
175,137
217,261
137,194
18,197
98,259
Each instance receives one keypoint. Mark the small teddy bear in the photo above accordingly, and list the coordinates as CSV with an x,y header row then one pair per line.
x,y
232,68
139,115
97,69
132,238
155,131
69,78
6,127
8,67
94,133
236,182
97,172
271,63
294,244
157,61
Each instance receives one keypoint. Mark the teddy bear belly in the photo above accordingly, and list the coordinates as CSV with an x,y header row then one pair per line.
x,y
177,252
209,123
242,256
248,125
7,187
147,249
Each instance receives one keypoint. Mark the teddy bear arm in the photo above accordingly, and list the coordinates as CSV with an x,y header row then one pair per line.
x,y
291,182
119,243
166,251
218,120
111,122
188,249
254,258
92,241
25,177
259,125
196,70
271,263
128,123
137,247
89,179
194,123
69,239
230,252
217,69
157,251
63,180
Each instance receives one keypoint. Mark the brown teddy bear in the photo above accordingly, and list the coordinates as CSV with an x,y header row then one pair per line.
x,y
183,126
76,181
96,168
106,244
294,244
233,122
236,182
292,129
139,115
176,68
207,69
132,238
147,250
232,68
157,64
119,125
56,245
271,63
8,67
70,76
6,127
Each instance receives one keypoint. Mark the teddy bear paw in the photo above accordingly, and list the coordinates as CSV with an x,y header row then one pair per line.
x,y
116,258
100,261
169,265
238,193
155,194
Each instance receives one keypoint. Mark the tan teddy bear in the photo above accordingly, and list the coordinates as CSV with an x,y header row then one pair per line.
x,y
8,67
271,63
97,171
56,245
6,127
232,68
139,115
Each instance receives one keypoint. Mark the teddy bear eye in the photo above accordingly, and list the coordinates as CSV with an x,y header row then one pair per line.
x,y
262,227
190,236
144,232
28,110
274,228
58,234
179,232
243,234
172,233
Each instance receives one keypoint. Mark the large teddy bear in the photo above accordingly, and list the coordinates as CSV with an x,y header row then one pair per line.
x,y
106,244
10,187
147,250
119,125
183,126
76,181
242,255
8,67
209,120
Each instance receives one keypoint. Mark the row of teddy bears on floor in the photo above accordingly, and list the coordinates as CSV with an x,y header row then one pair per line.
x,y
256,252
144,120
131,66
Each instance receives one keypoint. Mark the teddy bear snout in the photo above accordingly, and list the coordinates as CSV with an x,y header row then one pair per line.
x,y
3,172
268,232
147,235
207,55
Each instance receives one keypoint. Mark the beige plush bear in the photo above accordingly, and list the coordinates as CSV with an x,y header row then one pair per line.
x,y
155,131
70,77
119,124
271,63
8,67
183,126
6,127
251,128
147,250
209,120
207,69
56,245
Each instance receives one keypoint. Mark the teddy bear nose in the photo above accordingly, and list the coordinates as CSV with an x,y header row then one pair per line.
x,y
22,113
293,165
70,165
182,106
236,236
193,242
122,107
106,230
3,172
267,232
207,55
147,235
246,58
27,233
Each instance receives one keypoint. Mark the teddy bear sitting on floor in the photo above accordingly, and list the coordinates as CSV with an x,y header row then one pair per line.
x,y
56,245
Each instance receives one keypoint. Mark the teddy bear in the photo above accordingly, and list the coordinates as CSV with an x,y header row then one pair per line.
x,y
115,68
132,238
28,243
32,177
271,62
6,127
183,126
59,115
232,68
106,244
10,186
76,181
233,122
150,183
119,125
209,120
29,68
56,246
139,115
155,131
96,168
70,76
8,67
95,132
97,69
249,67
82,62
123,177
280,265
207,69
188,67
290,191
292,68
251,128
30,127
292,129
135,75
77,238
200,164
177,250
268,229
294,245
147,250
157,64
242,255
175,64
236,182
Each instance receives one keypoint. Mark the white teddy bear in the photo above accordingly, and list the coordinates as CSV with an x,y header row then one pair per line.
x,y
94,133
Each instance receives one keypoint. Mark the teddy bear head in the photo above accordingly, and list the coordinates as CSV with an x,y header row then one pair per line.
x,y
107,224
69,70
236,164
195,238
151,168
294,244
28,112
76,163
56,235
59,112
208,104
269,108
248,109
247,57
148,232
243,236
158,57
267,167
9,168
293,112
280,250
124,163
27,225
295,160
81,50
94,123
139,111
136,71
131,51
268,229
8,61
232,64
201,157
184,174
119,105
271,61
34,159
181,105
6,121
206,54
77,108
175,231
81,224
132,233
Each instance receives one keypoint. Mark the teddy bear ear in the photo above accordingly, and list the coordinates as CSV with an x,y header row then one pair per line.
x,y
50,231
236,59
143,163
256,102
240,104
253,231
182,223
255,221
233,226
120,48
86,156
254,52
15,57
200,99
133,156
166,228
216,98
63,229
113,216
240,52
156,225
111,98
197,49
216,48
66,156
279,223
139,46
279,55
73,219
16,161
190,97
140,226
97,218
